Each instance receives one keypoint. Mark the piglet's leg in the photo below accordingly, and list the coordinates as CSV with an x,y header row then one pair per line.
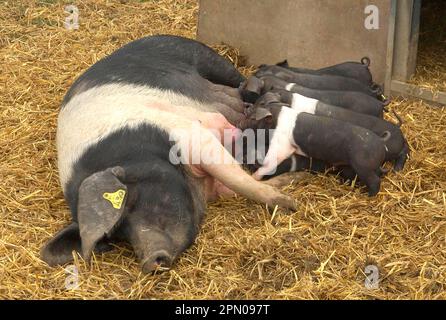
x,y
225,169
279,150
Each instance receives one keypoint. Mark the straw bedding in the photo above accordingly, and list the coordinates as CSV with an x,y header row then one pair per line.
x,y
242,251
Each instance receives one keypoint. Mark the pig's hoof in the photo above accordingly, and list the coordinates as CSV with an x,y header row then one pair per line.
x,y
373,191
285,202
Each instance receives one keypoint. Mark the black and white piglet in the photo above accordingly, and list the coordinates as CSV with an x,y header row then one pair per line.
x,y
397,148
330,140
317,81
352,100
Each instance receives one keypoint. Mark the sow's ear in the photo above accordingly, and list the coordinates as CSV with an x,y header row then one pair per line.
x,y
102,199
58,249
283,63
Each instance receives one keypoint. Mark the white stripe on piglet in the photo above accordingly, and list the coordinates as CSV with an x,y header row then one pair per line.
x,y
301,103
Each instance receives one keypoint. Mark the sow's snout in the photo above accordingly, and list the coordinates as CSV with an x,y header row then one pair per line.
x,y
154,248
158,260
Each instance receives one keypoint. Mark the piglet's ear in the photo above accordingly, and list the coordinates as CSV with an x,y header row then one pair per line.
x,y
102,199
283,63
254,84
262,113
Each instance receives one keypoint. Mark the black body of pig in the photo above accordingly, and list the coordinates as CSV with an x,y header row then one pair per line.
x,y
317,81
352,100
352,69
337,143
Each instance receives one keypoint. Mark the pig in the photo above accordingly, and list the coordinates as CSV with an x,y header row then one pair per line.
x,y
352,100
315,81
251,89
351,69
213,80
259,117
330,140
355,70
127,157
397,149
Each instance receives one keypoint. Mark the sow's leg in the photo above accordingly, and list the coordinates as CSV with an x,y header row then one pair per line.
x,y
218,163
201,58
213,67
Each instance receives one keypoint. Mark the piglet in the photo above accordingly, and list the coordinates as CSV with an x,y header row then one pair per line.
x,y
331,140
397,148
352,100
351,69
317,81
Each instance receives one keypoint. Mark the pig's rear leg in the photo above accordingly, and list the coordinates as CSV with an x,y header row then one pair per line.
x,y
219,70
402,157
369,177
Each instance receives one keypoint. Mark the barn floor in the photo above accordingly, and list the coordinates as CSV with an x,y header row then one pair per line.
x,y
242,252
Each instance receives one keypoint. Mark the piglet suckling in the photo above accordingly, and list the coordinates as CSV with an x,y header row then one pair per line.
x,y
333,141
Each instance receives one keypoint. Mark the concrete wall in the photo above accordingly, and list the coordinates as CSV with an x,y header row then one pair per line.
x,y
309,33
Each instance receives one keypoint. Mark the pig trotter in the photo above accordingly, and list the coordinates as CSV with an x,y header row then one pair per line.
x,y
402,157
373,183
382,171
283,202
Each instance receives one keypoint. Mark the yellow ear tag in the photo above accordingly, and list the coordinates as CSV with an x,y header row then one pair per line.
x,y
383,97
115,198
